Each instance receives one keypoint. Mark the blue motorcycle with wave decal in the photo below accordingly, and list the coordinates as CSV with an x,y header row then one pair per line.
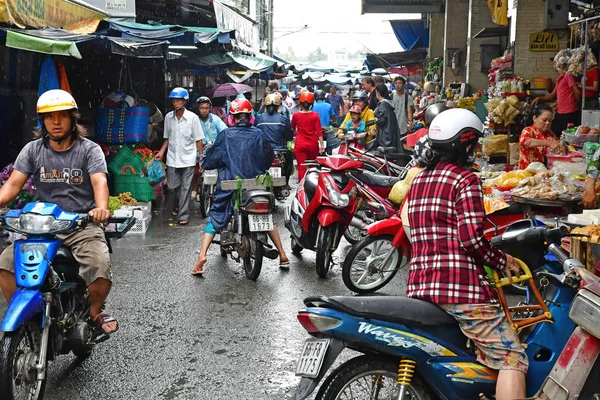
x,y
414,350
48,314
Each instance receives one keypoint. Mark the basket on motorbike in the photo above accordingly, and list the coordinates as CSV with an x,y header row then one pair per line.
x,y
211,176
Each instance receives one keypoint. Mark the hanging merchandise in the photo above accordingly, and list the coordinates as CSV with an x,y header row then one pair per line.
x,y
120,120
577,60
48,77
62,77
499,11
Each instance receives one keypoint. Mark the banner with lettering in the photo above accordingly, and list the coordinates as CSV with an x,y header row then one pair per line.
x,y
63,14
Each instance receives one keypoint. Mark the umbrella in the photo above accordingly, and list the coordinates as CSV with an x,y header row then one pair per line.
x,y
229,89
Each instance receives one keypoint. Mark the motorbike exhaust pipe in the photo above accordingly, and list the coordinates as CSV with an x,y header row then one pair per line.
x,y
358,223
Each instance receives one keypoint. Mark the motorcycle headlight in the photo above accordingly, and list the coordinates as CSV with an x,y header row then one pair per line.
x,y
336,198
35,224
585,312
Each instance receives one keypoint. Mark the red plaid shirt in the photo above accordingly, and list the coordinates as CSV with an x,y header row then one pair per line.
x,y
446,214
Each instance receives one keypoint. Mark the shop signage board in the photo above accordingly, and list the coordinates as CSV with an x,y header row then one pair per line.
x,y
53,13
116,8
543,41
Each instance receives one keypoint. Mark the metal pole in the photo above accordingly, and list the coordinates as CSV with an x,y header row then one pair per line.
x,y
585,56
270,27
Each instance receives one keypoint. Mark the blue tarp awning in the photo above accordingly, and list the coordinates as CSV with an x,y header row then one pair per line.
x,y
411,34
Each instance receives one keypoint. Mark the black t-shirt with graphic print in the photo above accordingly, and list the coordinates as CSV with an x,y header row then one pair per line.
x,y
63,177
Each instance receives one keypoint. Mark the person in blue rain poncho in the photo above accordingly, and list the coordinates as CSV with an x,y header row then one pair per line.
x,y
240,151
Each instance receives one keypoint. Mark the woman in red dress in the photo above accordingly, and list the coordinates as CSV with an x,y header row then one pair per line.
x,y
537,139
306,125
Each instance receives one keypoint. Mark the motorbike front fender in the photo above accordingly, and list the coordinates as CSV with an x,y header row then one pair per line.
x,y
329,216
384,227
308,385
24,305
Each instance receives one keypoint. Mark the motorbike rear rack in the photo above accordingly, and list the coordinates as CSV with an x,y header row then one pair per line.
x,y
250,184
522,323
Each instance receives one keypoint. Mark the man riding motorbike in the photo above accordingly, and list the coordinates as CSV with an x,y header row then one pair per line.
x,y
277,130
449,250
70,171
212,125
432,111
360,98
240,151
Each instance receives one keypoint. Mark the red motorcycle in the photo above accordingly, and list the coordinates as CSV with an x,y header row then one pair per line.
x,y
373,203
324,205
374,260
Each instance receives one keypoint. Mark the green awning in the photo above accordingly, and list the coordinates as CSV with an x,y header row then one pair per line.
x,y
252,63
41,45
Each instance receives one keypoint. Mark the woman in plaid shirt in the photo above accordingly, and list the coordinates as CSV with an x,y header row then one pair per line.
x,y
449,250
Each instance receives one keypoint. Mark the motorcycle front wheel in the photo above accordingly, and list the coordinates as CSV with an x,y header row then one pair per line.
x,y
254,258
324,252
371,264
367,377
19,351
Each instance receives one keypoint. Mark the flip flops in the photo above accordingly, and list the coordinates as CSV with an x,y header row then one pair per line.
x,y
284,264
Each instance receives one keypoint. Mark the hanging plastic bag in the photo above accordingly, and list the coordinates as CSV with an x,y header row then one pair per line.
x,y
156,172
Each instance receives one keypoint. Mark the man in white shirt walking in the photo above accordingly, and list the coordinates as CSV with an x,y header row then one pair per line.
x,y
402,103
183,139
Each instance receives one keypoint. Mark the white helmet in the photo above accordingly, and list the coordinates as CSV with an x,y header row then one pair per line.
x,y
55,100
455,129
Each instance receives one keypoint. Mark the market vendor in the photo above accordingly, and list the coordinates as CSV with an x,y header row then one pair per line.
x,y
566,93
537,138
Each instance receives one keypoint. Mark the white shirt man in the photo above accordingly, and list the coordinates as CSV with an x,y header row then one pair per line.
x,y
183,134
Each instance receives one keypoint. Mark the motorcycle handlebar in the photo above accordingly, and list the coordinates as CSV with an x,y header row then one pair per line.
x,y
558,252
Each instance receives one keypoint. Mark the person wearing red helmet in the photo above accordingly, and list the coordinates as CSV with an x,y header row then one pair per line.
x,y
306,125
239,151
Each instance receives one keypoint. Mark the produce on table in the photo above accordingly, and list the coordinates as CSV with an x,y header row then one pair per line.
x,y
113,204
467,103
126,200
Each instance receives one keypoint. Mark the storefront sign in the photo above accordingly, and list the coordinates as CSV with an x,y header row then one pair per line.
x,y
543,41
53,13
116,5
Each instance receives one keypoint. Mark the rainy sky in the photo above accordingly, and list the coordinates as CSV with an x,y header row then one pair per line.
x,y
333,25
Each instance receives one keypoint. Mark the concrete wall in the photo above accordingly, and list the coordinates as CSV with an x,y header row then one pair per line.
x,y
479,18
528,17
455,36
437,25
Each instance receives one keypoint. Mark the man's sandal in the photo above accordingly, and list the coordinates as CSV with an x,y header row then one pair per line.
x,y
102,319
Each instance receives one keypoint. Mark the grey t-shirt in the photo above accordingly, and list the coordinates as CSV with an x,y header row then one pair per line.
x,y
63,178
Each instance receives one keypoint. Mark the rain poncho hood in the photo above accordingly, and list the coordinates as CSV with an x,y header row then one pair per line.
x,y
240,151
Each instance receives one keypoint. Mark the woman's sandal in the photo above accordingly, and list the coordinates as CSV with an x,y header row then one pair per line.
x,y
102,319
183,222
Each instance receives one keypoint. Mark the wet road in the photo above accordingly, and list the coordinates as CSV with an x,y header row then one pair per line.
x,y
184,337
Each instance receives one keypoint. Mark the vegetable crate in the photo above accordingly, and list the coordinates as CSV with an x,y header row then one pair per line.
x,y
581,249
141,226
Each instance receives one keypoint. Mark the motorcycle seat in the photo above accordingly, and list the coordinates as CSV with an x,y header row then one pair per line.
x,y
398,309
373,179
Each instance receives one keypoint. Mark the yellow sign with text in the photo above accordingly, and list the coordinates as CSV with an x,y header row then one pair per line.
x,y
54,13
543,41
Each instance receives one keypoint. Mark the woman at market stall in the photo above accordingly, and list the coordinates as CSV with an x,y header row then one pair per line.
x,y
537,138
566,93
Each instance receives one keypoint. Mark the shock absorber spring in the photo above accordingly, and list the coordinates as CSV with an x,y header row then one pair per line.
x,y
406,370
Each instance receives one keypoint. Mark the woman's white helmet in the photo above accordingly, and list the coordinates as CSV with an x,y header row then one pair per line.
x,y
455,129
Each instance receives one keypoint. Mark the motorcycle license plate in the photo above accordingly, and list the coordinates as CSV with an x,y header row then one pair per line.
x,y
275,172
260,222
312,356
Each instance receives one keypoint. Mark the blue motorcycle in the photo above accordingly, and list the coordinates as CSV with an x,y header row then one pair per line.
x,y
414,350
49,312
